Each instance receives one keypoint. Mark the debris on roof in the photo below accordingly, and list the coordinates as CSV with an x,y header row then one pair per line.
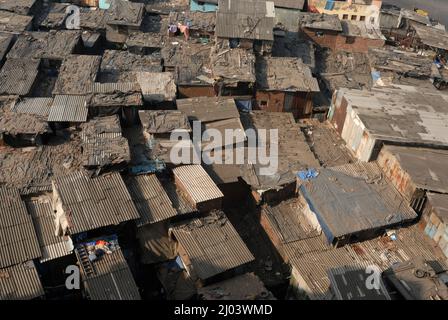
x,y
22,123
244,287
417,280
245,19
232,65
320,21
208,109
403,115
45,45
164,121
18,76
211,244
14,23
325,143
119,94
23,7
293,151
285,74
103,143
431,37
125,13
77,75
105,273
150,199
157,86
202,22
347,203
105,198
20,282
19,241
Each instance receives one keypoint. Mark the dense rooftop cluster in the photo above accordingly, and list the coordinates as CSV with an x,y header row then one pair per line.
x,y
91,98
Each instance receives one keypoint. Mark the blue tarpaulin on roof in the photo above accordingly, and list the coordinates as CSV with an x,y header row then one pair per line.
x,y
306,175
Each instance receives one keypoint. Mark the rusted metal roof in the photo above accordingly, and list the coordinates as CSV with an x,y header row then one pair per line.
x,y
103,143
232,65
197,183
150,199
18,241
91,203
20,282
68,108
112,279
17,76
206,109
36,106
212,245
52,246
15,23
178,200
45,45
245,19
77,75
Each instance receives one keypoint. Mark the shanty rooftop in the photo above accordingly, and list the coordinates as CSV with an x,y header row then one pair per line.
x,y
48,45
285,74
360,29
157,86
208,109
417,280
18,76
190,62
439,203
105,198
425,167
51,246
405,115
35,106
346,201
245,19
116,94
199,21
232,65
22,123
103,143
5,43
196,183
68,108
77,75
212,244
150,199
125,13
18,6
111,278
294,153
431,37
20,282
320,21
163,121
15,23
19,241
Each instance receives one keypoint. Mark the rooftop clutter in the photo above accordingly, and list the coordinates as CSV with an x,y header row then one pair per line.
x,y
328,150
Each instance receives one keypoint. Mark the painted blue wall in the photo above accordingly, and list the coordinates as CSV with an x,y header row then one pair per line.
x,y
206,7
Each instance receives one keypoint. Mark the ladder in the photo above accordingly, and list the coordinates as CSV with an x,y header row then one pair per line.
x,y
83,258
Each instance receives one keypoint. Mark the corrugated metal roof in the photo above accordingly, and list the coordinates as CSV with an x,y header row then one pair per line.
x,y
18,240
112,279
346,204
110,87
17,76
150,199
103,143
177,198
68,109
46,45
52,246
212,245
20,282
77,74
36,106
245,19
92,203
206,109
197,183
